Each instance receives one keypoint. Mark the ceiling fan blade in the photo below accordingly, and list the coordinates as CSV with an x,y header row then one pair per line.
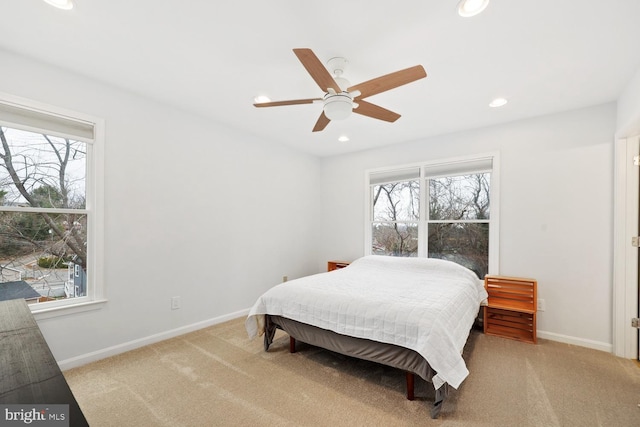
x,y
389,81
322,123
371,110
292,102
317,71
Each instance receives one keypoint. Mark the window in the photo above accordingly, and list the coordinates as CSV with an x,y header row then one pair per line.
x,y
444,210
395,211
49,205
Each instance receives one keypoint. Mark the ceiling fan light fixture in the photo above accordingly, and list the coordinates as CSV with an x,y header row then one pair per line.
x,y
338,106
468,8
61,4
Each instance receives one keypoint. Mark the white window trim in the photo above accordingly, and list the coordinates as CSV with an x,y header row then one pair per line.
x,y
95,203
494,221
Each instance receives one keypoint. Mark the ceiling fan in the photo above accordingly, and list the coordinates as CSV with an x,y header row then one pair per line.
x,y
340,98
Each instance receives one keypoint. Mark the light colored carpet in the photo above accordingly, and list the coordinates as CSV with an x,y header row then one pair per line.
x,y
217,377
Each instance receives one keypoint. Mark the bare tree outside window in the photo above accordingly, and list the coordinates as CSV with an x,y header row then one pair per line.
x,y
396,211
459,220
43,221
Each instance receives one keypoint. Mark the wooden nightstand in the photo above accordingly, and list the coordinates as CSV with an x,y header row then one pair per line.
x,y
334,265
511,308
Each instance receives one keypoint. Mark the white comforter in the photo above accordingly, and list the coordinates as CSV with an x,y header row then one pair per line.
x,y
427,305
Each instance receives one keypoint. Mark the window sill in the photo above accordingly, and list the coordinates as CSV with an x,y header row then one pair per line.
x,y
63,310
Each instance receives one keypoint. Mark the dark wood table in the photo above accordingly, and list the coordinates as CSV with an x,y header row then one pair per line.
x,y
29,374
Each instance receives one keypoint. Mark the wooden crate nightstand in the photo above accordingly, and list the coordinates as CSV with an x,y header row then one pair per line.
x,y
511,308
334,265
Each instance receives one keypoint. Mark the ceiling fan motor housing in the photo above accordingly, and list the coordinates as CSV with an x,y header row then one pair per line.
x,y
338,106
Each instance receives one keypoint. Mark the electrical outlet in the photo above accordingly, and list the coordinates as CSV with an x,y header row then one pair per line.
x,y
175,303
542,305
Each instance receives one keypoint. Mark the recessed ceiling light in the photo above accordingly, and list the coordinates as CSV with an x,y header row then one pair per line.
x,y
467,8
261,99
61,4
343,138
498,102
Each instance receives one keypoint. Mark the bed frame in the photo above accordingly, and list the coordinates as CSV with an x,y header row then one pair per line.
x,y
387,354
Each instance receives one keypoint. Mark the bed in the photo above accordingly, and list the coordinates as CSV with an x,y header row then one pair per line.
x,y
414,314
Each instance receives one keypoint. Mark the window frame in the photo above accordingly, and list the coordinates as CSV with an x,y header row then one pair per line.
x,y
94,199
423,222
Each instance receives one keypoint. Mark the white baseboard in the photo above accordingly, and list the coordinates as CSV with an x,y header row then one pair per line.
x,y
83,359
596,345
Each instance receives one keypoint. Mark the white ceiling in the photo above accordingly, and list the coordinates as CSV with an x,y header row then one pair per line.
x,y
212,57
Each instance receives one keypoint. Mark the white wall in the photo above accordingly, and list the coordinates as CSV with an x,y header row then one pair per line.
x,y
193,209
556,210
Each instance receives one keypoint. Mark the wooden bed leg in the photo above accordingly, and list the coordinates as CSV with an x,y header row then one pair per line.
x,y
410,382
292,344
